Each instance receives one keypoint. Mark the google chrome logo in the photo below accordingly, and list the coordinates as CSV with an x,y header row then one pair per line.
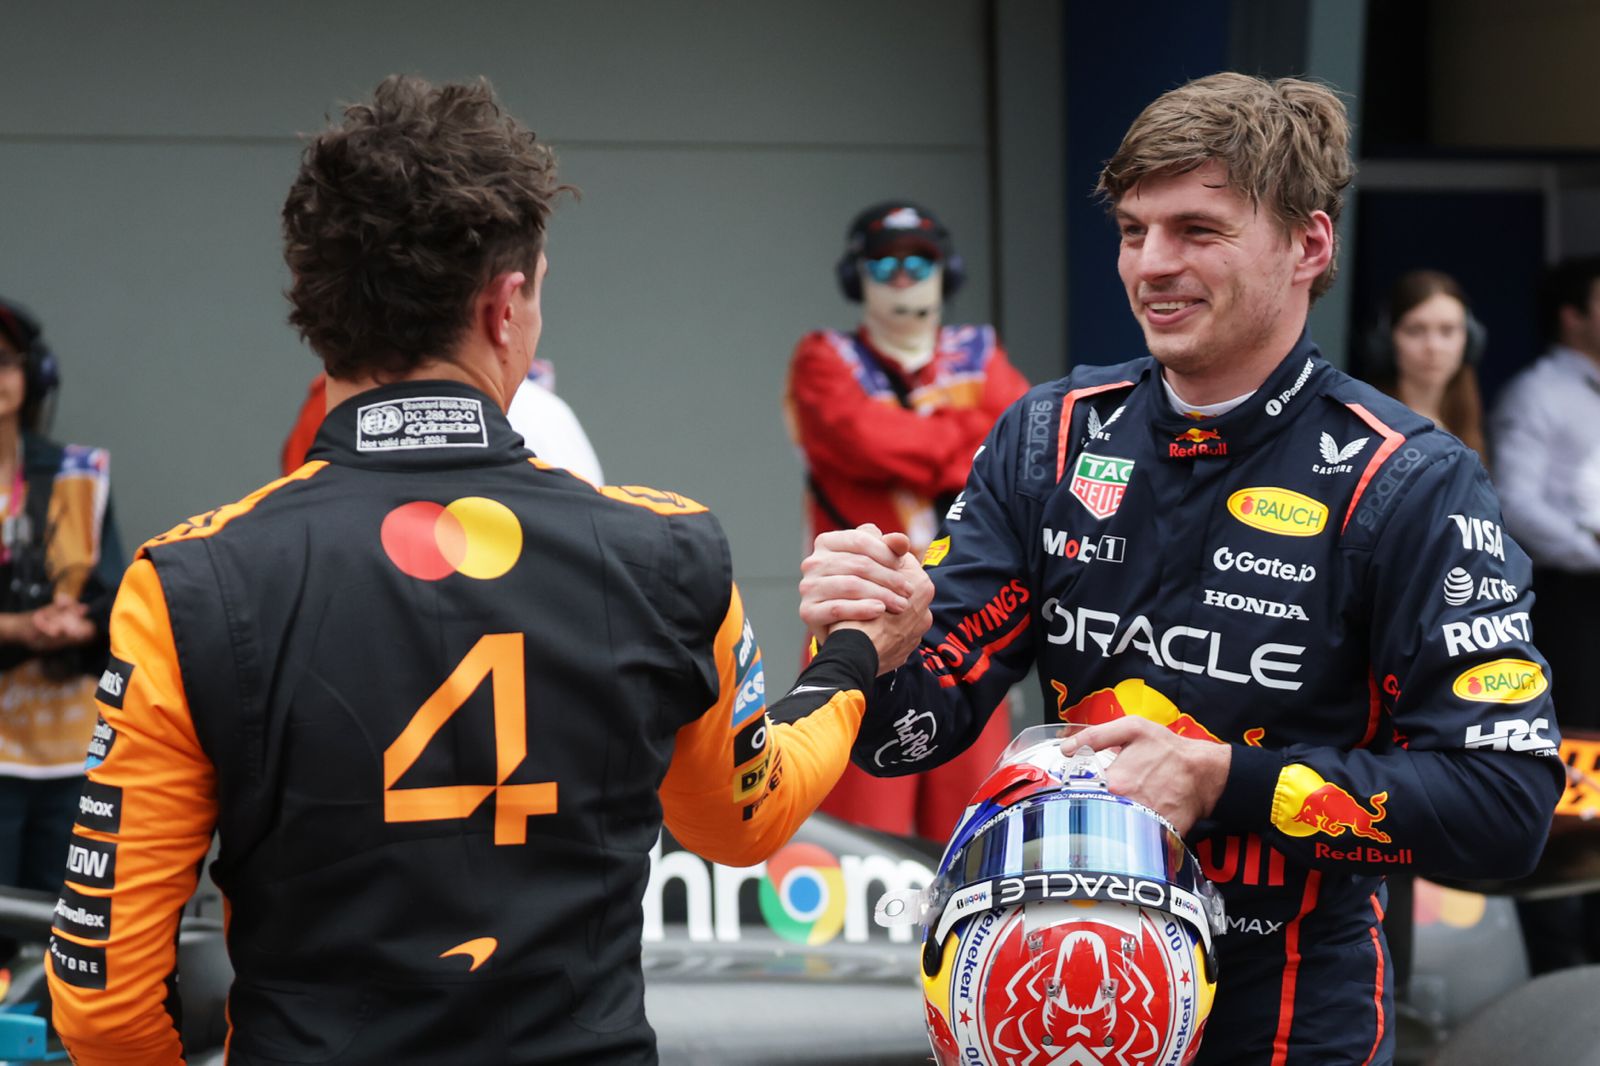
x,y
802,896
474,536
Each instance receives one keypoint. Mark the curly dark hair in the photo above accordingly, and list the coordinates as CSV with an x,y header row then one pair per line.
x,y
402,213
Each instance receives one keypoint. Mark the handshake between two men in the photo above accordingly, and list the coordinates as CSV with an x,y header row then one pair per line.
x,y
866,579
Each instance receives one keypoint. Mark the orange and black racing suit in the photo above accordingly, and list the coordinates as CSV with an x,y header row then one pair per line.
x,y
437,699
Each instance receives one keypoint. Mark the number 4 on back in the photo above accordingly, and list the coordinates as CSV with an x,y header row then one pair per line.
x,y
497,656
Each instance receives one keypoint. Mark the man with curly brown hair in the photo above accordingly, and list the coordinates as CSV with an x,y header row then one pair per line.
x,y
436,696
1300,625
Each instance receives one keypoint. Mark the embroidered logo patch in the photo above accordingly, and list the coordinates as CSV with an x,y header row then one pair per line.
x,y
1099,482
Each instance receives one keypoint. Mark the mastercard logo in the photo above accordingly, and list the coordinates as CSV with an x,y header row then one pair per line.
x,y
473,536
802,896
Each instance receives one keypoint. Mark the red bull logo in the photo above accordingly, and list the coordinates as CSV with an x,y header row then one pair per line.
x,y
1194,442
1130,696
1307,803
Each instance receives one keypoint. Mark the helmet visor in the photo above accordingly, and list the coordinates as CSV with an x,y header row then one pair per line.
x,y
1074,844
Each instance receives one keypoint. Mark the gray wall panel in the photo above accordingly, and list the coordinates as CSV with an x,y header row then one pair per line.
x,y
722,147
611,70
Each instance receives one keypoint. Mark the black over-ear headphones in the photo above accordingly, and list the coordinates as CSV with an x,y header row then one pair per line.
x,y
877,217
41,371
1381,359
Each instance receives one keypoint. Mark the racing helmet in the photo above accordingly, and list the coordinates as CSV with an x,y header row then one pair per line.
x,y
1065,924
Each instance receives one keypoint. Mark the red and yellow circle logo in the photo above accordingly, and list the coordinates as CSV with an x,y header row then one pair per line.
x,y
474,536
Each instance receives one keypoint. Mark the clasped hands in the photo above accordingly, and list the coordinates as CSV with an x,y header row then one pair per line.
x,y
867,580
62,623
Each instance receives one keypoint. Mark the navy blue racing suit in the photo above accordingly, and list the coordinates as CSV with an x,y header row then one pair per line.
x,y
1319,578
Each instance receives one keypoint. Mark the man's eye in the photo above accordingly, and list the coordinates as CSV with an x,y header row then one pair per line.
x,y
1201,231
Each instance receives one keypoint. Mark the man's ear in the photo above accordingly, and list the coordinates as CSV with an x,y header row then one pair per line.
x,y
496,306
1316,247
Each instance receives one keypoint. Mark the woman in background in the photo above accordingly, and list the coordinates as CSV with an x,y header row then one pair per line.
x,y
1424,349
60,564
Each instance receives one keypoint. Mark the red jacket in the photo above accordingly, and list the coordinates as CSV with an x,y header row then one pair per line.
x,y
873,457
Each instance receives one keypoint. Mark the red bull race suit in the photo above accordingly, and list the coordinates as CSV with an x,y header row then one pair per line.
x,y
1318,577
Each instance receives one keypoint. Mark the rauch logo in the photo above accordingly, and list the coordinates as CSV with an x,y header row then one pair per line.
x,y
1281,511
1502,681
806,894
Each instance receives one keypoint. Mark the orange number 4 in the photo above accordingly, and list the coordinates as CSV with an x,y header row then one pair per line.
x,y
497,656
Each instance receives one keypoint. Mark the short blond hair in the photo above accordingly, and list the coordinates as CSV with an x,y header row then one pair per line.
x,y
1285,144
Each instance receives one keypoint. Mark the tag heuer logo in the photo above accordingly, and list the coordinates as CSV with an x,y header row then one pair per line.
x,y
1099,482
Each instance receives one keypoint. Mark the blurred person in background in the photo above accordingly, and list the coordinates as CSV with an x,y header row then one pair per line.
x,y
887,419
60,561
544,420
1424,351
1543,432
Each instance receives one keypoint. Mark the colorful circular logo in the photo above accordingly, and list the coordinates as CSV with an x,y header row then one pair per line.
x,y
474,536
802,896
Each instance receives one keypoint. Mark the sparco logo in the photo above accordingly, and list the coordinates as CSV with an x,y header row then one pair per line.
x,y
1275,405
1250,605
1383,490
1038,447
1250,563
1185,648
913,739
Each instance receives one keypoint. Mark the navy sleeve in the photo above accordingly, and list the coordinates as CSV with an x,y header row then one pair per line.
x,y
1460,776
932,708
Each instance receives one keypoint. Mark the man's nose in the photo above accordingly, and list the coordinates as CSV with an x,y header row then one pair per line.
x,y
1158,255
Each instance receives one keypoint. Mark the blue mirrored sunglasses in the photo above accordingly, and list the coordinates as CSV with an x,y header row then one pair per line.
x,y
917,267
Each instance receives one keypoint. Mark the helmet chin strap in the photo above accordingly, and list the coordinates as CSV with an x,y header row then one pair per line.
x,y
903,323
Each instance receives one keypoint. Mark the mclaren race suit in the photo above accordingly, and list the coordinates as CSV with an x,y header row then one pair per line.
x,y
436,697
1318,578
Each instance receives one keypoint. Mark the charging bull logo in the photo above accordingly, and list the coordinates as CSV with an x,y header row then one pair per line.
x,y
1194,442
1306,803
1130,696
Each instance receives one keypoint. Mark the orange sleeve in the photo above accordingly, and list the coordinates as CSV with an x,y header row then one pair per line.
x,y
144,825
844,432
306,424
743,779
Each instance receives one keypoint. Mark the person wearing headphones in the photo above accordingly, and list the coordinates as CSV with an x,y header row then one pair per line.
x,y
60,564
1424,350
887,419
